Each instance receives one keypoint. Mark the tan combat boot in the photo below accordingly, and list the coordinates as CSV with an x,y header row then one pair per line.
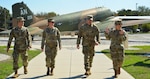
x,y
16,74
25,70
52,73
87,72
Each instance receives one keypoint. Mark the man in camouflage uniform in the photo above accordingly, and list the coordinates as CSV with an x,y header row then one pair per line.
x,y
51,39
21,45
117,36
88,32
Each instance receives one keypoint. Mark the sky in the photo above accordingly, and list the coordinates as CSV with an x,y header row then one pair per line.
x,y
69,6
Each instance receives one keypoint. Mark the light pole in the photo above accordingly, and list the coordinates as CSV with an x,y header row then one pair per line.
x,y
136,5
5,18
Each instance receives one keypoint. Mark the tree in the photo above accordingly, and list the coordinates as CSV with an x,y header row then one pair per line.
x,y
46,15
143,11
4,18
134,28
127,12
146,27
51,14
121,12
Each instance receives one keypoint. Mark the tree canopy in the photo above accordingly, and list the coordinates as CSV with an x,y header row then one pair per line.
x,y
141,11
4,18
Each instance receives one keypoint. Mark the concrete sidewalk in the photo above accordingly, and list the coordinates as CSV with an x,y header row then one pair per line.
x,y
69,65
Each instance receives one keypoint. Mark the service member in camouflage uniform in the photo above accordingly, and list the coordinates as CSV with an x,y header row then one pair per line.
x,y
21,44
117,36
51,39
88,32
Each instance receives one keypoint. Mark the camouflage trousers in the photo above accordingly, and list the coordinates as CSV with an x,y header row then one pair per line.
x,y
117,57
88,52
50,53
24,57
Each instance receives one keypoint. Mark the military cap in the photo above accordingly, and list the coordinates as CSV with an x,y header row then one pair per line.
x,y
118,22
51,20
20,19
89,17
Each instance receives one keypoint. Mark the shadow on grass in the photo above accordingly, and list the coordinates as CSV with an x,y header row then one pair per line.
x,y
98,52
106,52
140,63
135,53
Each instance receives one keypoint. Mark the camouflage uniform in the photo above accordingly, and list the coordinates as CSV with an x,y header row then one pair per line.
x,y
21,44
50,38
88,34
116,47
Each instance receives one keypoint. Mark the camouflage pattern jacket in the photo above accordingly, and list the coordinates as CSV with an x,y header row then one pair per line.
x,y
22,38
88,34
51,37
116,38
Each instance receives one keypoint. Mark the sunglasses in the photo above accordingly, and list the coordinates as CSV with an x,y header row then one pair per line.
x,y
118,24
51,22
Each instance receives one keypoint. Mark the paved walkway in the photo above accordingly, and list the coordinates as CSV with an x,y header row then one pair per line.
x,y
69,65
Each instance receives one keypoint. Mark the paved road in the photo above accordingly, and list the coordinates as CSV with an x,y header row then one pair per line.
x,y
134,39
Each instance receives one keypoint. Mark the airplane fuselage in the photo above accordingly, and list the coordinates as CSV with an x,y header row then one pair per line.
x,y
72,21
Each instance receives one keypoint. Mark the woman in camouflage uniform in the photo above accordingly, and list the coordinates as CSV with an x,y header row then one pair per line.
x,y
117,36
51,39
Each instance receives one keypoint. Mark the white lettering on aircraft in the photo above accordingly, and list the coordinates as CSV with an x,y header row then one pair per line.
x,y
29,17
59,24
23,11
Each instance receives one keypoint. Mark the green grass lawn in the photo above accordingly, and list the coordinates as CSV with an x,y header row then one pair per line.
x,y
6,66
135,63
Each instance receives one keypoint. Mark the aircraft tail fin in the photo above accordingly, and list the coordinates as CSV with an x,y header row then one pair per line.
x,y
21,9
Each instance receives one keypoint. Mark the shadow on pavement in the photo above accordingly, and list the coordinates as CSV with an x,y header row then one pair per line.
x,y
36,77
82,76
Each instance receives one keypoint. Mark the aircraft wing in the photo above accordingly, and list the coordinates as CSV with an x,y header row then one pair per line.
x,y
131,17
132,20
126,21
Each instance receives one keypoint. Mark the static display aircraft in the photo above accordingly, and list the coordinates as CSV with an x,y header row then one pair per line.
x,y
103,18
67,22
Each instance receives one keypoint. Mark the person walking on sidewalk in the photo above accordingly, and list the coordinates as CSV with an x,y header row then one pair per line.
x,y
88,32
21,45
117,37
50,39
